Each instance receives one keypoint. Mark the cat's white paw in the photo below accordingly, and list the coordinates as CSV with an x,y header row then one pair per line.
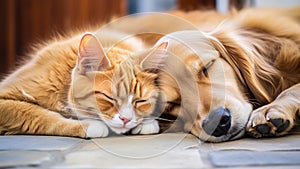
x,y
96,128
149,126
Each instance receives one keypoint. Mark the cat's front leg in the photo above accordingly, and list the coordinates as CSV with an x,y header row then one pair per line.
x,y
19,117
148,126
96,128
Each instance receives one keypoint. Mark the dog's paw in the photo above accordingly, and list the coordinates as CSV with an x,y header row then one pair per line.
x,y
96,129
269,120
149,126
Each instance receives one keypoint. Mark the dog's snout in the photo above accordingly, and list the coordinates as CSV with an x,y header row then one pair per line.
x,y
218,122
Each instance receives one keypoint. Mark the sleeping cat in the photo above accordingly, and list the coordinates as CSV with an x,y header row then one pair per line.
x,y
83,92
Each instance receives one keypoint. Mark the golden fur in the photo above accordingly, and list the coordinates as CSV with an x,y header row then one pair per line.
x,y
265,56
253,61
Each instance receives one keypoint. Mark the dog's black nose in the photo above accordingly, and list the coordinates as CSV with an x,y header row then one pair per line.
x,y
218,122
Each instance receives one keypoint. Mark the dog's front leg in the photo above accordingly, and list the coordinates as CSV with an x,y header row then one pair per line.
x,y
278,117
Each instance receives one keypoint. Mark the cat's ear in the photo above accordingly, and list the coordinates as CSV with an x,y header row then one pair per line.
x,y
91,56
156,57
163,46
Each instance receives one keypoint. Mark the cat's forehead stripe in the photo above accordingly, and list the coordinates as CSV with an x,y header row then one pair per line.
x,y
125,76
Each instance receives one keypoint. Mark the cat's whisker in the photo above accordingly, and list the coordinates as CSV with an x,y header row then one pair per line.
x,y
93,118
159,118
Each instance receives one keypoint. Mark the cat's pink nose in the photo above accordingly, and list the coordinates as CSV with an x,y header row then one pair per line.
x,y
124,119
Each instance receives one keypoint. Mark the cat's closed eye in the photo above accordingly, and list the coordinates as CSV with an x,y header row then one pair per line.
x,y
110,98
137,102
105,95
143,105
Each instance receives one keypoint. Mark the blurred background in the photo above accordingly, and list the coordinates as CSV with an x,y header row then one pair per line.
x,y
24,22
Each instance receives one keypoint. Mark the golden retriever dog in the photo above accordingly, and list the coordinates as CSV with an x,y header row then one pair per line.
x,y
247,72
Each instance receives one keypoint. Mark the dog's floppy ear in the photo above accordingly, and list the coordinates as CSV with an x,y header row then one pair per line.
x,y
264,55
244,66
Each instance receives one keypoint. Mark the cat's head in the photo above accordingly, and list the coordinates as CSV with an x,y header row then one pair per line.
x,y
115,85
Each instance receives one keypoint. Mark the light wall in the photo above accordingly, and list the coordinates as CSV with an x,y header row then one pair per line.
x,y
277,3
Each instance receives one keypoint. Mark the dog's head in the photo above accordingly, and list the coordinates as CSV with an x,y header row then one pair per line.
x,y
223,106
214,103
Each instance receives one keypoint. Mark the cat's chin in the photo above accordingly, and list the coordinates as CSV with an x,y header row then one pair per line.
x,y
117,126
120,130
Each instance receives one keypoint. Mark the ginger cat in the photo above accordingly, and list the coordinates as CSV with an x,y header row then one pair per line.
x,y
83,92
